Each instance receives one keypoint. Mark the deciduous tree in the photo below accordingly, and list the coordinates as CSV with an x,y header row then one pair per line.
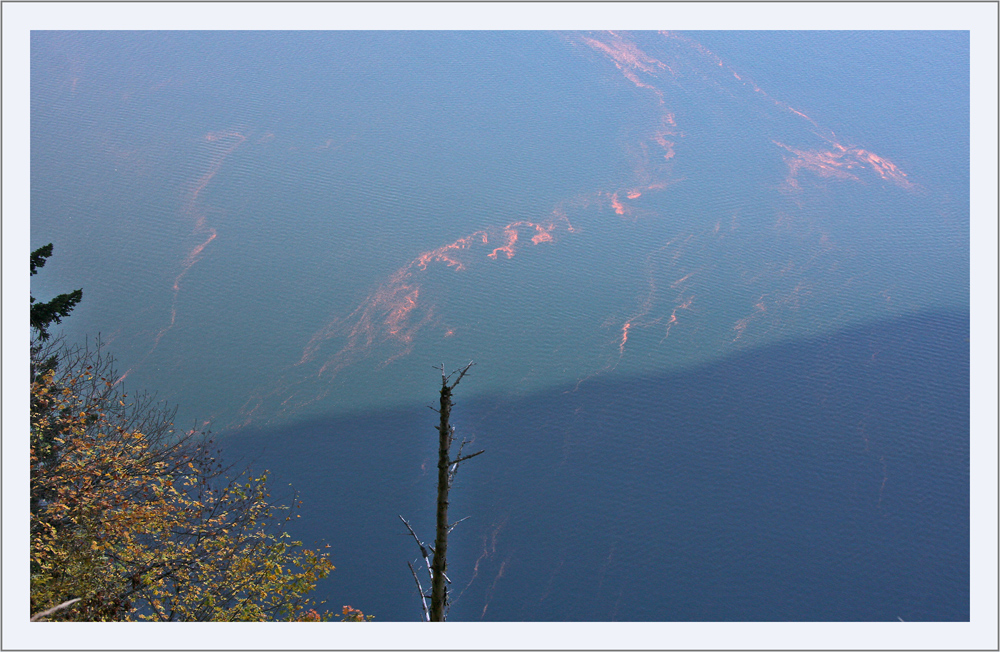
x,y
144,523
134,520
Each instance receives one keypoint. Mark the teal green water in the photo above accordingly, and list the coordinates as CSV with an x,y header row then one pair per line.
x,y
314,174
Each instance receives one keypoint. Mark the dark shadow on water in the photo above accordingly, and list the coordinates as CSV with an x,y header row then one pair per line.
x,y
820,480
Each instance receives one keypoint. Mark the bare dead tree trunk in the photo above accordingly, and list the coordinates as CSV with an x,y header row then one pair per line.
x,y
437,560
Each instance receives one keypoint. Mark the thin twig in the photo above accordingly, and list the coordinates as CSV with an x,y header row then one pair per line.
x,y
423,549
420,590
452,526
461,374
49,612
467,457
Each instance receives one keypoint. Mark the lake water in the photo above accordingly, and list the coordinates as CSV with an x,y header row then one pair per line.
x,y
716,286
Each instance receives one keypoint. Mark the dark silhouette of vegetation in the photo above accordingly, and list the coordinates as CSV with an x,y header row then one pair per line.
x,y
45,314
436,556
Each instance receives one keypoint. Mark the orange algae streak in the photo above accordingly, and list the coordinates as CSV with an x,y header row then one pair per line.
x,y
632,77
193,256
836,164
628,59
617,204
822,132
668,127
214,165
673,315
626,54
388,314
489,549
121,378
625,329
824,164
694,44
741,325
446,253
633,62
397,316
667,145
885,168
508,248
799,113
541,236
193,210
189,262
543,233
192,207
681,280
